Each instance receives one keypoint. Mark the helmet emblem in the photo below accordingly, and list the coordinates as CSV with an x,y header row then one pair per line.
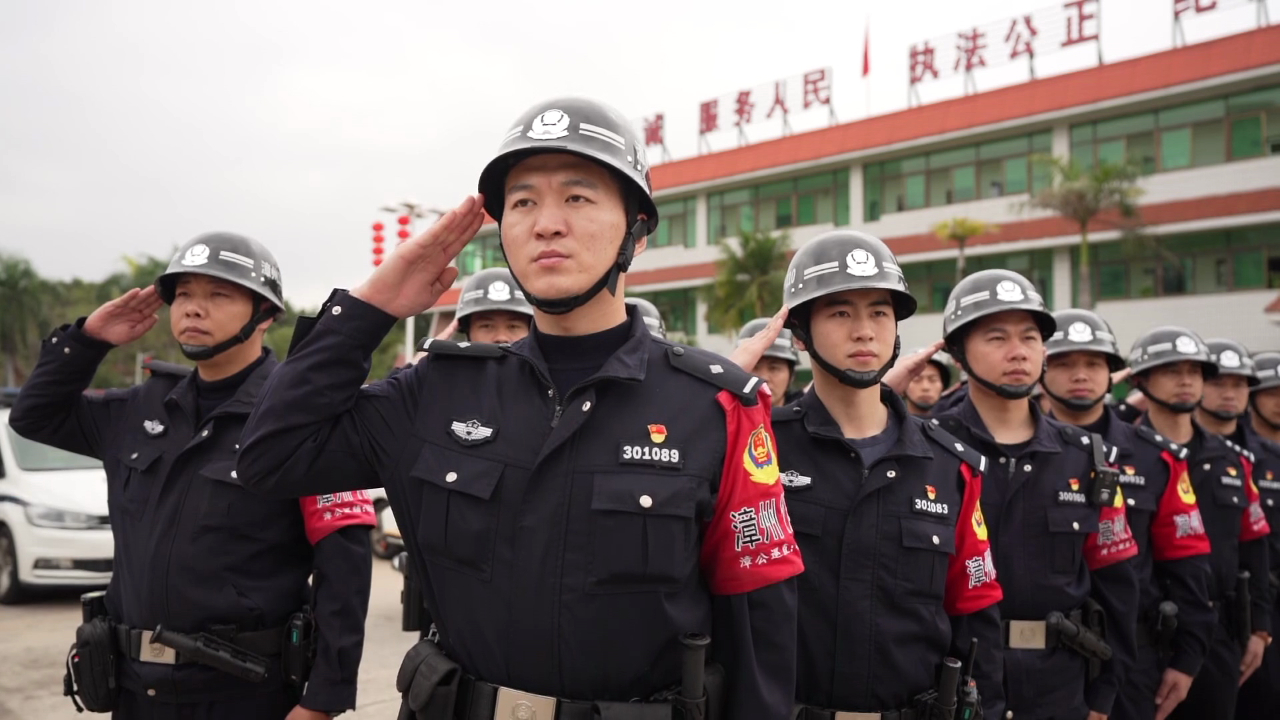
x,y
550,125
1080,332
1229,359
861,263
499,291
1009,291
197,254
1185,345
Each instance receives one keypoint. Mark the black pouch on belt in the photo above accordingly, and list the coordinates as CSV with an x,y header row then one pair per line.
x,y
91,668
427,683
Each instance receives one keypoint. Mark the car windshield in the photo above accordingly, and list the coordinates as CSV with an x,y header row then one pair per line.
x,y
31,455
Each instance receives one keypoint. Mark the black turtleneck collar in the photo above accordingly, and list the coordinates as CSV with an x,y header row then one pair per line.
x,y
573,358
211,394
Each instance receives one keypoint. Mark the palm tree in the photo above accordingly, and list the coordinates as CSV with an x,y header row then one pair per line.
x,y
748,280
959,230
1081,195
23,295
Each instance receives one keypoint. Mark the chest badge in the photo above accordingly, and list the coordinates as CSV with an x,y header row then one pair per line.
x,y
929,504
655,452
154,428
1072,496
658,433
795,480
1131,476
1231,479
472,432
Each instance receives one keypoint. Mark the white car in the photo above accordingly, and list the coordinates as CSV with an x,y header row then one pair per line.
x,y
54,528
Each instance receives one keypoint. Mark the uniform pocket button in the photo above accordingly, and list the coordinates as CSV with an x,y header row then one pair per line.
x,y
1075,526
133,456
646,501
151,692
891,473
1130,501
936,541
1026,468
233,475
337,310
586,406
204,433
451,477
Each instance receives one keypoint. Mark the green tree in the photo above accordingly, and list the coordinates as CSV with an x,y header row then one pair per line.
x,y
1081,195
959,230
24,298
749,277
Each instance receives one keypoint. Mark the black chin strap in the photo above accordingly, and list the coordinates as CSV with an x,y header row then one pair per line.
x,y
923,407
1219,414
198,353
1075,404
1008,392
1179,408
853,378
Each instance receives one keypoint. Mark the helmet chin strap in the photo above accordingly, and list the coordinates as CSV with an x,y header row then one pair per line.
x,y
1008,392
1219,414
860,380
198,353
609,281
1259,414
1179,408
924,407
1075,404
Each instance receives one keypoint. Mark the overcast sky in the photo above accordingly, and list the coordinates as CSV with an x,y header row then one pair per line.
x,y
128,127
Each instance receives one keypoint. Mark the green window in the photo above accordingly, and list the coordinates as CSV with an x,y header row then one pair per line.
x,y
1175,148
1246,137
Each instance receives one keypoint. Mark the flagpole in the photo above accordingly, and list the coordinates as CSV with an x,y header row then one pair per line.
x,y
866,64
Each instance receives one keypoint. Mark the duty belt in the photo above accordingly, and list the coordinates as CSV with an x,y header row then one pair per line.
x,y
136,645
1032,634
479,700
812,713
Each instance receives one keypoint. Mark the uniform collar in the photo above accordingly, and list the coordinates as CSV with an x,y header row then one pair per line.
x,y
184,393
1044,440
819,423
628,363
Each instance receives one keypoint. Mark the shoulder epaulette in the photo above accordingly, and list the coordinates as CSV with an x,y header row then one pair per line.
x,y
934,431
1270,447
715,369
1085,441
160,367
465,348
794,411
1162,442
1242,451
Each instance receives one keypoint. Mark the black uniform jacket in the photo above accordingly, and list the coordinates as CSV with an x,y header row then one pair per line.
x,y
194,550
898,571
1054,550
564,541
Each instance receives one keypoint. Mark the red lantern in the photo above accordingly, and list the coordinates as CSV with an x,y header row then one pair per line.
x,y
377,239
403,219
377,261
403,234
378,250
377,227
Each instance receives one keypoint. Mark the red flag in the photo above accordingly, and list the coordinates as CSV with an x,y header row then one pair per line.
x,y
866,52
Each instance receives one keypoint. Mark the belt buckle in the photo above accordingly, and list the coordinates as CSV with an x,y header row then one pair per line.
x,y
857,716
1027,635
150,652
516,705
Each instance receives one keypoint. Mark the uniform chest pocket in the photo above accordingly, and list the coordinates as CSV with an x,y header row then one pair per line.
x,y
226,505
1069,527
459,515
806,519
927,547
140,474
644,533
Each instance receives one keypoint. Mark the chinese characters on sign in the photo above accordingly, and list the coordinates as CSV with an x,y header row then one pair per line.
x,y
776,102
1187,9
1029,35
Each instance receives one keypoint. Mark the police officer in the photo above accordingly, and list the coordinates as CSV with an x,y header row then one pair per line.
x,y
1260,696
1059,539
1172,563
652,318
194,551
1169,367
777,366
925,389
1226,395
491,309
578,501
898,571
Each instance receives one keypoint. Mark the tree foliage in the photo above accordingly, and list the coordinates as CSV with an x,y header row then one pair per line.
x,y
959,230
748,280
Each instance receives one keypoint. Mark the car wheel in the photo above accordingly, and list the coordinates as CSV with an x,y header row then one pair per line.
x,y
10,586
382,546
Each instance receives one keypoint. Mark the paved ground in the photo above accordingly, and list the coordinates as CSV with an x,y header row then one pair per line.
x,y
34,638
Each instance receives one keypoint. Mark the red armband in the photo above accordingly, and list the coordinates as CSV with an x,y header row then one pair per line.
x,y
1254,523
1177,530
1114,541
971,575
324,514
749,542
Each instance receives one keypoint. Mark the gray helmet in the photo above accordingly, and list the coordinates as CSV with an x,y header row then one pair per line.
x,y
1167,345
490,289
988,292
782,348
942,362
834,262
1267,367
1232,358
594,131
1084,330
235,259
649,313
227,256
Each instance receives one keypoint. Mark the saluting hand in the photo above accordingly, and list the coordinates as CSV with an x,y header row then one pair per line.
x,y
414,277
908,367
751,350
125,319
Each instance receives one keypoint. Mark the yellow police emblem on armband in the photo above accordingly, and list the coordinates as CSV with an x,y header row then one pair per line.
x,y
1185,491
759,459
979,522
